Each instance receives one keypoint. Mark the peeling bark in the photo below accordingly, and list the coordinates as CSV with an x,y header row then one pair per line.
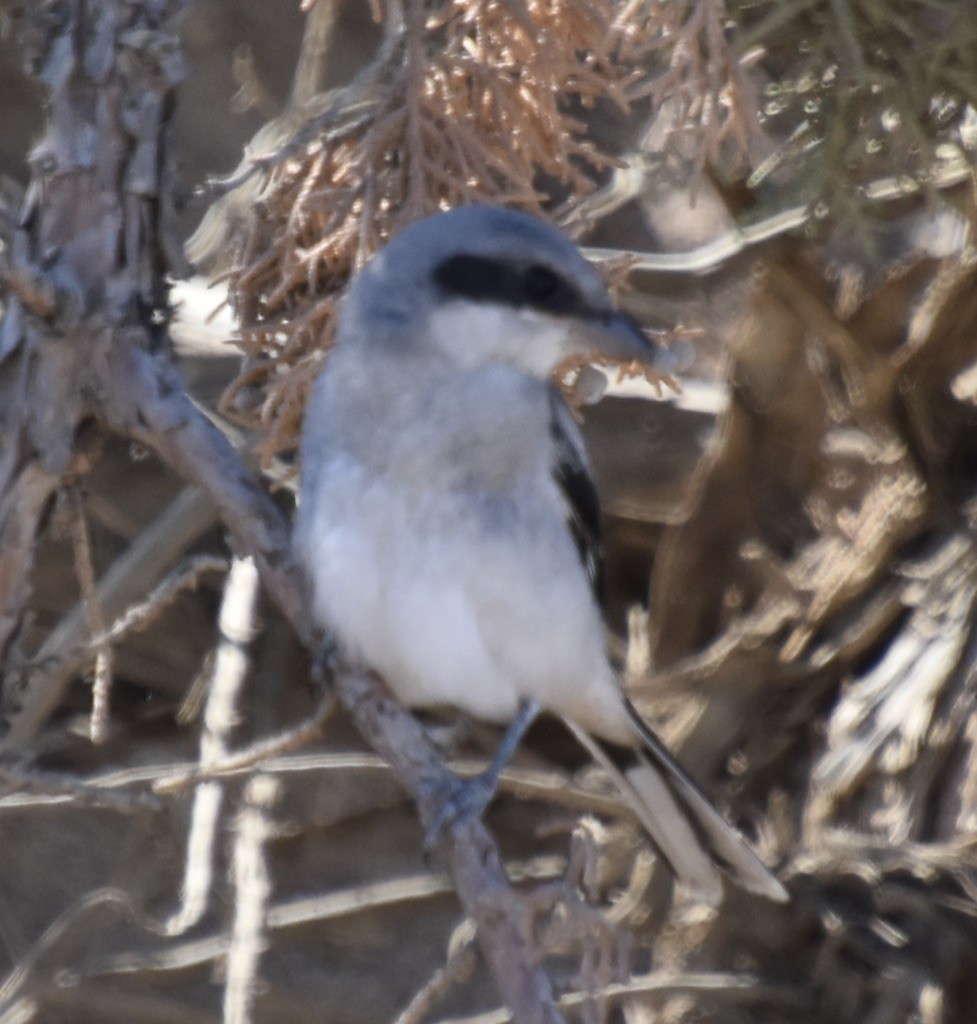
x,y
90,253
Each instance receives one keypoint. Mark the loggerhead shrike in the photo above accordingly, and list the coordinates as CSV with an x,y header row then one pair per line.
x,y
448,520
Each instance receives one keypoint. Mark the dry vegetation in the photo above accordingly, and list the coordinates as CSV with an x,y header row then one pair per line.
x,y
228,849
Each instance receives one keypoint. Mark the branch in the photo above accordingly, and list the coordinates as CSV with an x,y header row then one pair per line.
x,y
22,507
107,239
67,648
146,399
100,195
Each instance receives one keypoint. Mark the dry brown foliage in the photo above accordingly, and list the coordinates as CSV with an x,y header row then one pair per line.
x,y
464,103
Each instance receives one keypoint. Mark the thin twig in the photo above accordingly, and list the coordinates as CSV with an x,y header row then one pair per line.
x,y
67,789
717,253
730,987
63,925
66,650
85,574
407,891
185,576
320,30
459,965
254,755
252,888
220,717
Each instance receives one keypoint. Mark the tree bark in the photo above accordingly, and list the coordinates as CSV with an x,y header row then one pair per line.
x,y
89,257
84,336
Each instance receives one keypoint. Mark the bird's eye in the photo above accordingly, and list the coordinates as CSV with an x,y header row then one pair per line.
x,y
541,284
484,279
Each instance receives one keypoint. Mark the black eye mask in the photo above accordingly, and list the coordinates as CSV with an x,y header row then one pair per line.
x,y
536,286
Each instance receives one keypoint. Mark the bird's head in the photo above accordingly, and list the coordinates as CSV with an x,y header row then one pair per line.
x,y
481,285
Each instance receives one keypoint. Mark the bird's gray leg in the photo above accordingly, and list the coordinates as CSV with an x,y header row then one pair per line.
x,y
325,661
468,798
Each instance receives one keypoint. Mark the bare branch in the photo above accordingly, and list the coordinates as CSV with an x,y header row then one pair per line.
x,y
85,574
185,576
252,888
66,650
255,755
220,718
503,929
459,965
146,399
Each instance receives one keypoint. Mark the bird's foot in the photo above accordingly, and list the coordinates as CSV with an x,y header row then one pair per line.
x,y
462,800
325,661
459,801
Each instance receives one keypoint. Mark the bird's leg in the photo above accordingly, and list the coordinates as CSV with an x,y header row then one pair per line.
x,y
325,661
468,798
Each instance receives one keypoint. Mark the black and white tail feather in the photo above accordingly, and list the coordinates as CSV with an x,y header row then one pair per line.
x,y
689,833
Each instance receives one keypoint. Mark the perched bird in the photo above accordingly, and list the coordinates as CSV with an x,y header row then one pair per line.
x,y
448,520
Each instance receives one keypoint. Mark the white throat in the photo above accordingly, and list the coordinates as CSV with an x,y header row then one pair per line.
x,y
473,334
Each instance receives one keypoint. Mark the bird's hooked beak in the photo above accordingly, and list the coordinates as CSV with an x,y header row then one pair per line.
x,y
617,338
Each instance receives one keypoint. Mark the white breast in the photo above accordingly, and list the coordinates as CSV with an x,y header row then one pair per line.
x,y
455,577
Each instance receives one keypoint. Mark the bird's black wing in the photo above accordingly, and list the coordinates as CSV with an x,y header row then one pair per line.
x,y
572,476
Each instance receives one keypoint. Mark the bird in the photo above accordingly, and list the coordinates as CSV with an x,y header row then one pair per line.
x,y
448,520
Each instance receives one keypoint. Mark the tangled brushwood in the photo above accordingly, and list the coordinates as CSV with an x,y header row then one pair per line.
x,y
463,103
808,526
469,102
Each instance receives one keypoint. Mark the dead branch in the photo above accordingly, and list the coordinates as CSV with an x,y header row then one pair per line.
x,y
94,613
230,666
95,229
459,964
252,887
258,754
109,270
43,680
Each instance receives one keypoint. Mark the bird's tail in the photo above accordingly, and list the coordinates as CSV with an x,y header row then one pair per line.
x,y
691,836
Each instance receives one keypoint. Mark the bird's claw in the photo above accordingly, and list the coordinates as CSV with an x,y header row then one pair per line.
x,y
460,801
325,661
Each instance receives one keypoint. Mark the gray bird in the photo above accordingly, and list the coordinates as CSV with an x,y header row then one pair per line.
x,y
448,520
